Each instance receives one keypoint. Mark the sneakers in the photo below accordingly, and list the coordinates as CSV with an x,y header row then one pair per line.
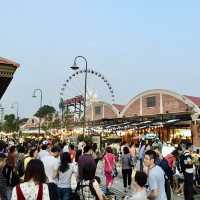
x,y
129,187
125,190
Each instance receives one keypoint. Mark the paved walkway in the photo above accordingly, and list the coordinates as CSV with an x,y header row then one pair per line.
x,y
117,187
118,182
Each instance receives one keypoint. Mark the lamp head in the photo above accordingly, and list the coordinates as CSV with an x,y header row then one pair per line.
x,y
34,96
74,66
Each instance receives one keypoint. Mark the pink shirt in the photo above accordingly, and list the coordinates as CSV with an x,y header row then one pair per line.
x,y
109,162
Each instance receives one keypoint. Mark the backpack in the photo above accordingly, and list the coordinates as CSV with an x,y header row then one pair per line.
x,y
11,175
166,168
79,190
20,166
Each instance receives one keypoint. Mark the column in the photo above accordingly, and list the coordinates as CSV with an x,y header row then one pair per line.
x,y
141,107
195,128
161,103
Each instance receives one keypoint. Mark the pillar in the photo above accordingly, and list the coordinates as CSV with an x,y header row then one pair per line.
x,y
195,128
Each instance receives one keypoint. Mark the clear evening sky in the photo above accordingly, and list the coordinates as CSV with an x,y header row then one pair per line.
x,y
137,45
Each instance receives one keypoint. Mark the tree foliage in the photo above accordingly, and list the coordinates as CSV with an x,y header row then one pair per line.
x,y
10,124
45,111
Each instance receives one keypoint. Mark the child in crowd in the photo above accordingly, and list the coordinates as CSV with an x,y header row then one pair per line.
x,y
139,192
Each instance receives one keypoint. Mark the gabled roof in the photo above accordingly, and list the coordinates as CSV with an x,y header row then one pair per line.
x,y
119,107
5,61
195,100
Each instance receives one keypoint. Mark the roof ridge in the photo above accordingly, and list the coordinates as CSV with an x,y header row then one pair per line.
x,y
8,62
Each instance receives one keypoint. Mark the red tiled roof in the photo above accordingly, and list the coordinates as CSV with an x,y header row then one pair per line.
x,y
119,107
195,100
8,62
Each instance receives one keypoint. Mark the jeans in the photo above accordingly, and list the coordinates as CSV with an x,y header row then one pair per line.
x,y
188,186
127,174
64,193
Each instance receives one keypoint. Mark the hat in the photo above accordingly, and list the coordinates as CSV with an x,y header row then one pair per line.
x,y
45,142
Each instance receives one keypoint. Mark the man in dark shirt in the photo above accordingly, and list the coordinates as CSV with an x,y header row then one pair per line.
x,y
85,159
188,173
3,185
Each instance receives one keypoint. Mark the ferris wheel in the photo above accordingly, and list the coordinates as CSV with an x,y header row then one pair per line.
x,y
98,87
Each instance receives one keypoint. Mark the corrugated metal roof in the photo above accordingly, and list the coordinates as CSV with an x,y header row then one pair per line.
x,y
195,100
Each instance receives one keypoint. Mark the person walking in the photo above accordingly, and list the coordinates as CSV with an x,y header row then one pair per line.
x,y
72,152
141,152
10,171
139,192
34,187
109,165
65,171
133,152
43,152
126,168
51,164
84,159
188,173
33,154
3,185
156,180
88,187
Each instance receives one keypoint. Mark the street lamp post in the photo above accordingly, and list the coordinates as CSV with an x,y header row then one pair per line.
x,y
75,67
2,113
17,114
34,96
17,108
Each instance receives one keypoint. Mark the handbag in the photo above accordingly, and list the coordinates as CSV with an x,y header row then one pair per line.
x,y
131,161
114,172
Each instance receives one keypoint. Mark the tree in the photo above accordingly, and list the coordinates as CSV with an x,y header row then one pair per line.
x,y
45,111
10,124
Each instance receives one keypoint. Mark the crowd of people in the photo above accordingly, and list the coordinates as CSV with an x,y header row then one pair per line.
x,y
44,170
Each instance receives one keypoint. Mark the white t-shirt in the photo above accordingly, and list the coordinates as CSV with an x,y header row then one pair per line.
x,y
142,195
66,148
156,181
51,165
42,154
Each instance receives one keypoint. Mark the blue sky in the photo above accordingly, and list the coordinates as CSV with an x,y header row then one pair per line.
x,y
137,45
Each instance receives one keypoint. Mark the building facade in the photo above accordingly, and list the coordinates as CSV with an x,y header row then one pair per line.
x,y
152,103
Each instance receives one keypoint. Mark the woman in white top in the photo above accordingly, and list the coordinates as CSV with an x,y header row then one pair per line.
x,y
65,171
139,187
34,187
